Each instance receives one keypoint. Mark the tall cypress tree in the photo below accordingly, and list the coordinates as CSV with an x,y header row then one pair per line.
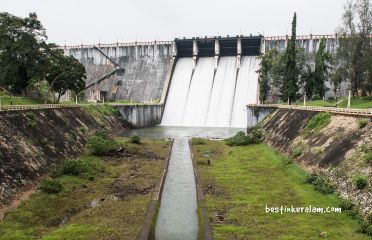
x,y
321,69
289,87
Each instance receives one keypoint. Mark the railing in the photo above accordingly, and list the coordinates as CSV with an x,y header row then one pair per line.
x,y
100,45
54,106
307,37
348,111
36,106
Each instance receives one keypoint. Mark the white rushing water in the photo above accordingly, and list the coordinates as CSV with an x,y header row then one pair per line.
x,y
209,97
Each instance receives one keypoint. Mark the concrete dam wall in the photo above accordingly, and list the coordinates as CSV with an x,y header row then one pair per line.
x,y
145,64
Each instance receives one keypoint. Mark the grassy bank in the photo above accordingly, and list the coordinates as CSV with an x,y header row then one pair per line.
x,y
108,201
242,181
360,103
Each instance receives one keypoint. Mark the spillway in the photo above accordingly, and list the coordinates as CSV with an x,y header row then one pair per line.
x,y
211,97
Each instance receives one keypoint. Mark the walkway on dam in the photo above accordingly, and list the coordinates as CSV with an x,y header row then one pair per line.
x,y
345,111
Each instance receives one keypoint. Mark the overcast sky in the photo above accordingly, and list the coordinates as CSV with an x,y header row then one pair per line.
x,y
92,21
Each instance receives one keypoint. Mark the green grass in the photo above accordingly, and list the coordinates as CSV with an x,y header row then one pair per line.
x,y
41,216
99,110
5,100
355,103
242,180
318,122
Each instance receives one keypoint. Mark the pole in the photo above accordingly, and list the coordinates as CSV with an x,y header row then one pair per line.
x,y
0,103
349,99
288,102
76,99
305,99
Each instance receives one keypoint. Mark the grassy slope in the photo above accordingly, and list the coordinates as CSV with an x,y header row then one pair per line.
x,y
21,100
243,180
42,214
355,103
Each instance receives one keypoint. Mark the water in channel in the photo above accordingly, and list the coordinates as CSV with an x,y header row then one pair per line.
x,y
177,218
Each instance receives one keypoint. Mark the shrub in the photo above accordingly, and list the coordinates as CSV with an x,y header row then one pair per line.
x,y
242,139
317,122
365,227
368,157
346,204
44,141
30,115
320,184
285,160
51,186
135,139
73,167
297,152
318,150
310,178
198,141
362,122
360,182
323,186
100,144
83,130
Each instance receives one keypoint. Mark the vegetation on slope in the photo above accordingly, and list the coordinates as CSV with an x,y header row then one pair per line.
x,y
242,181
102,197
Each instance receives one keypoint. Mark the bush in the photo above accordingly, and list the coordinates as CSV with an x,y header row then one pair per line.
x,y
346,204
50,186
365,227
310,178
362,122
242,139
135,139
317,122
198,141
360,182
320,184
83,130
44,141
30,115
368,157
74,167
100,144
297,152
285,161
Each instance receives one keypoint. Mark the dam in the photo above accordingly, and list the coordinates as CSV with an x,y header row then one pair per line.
x,y
205,82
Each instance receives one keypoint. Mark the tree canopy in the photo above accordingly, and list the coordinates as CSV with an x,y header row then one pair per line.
x,y
26,57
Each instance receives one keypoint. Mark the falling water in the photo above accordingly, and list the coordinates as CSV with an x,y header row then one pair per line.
x,y
208,98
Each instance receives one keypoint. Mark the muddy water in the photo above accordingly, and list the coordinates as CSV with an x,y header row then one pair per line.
x,y
177,217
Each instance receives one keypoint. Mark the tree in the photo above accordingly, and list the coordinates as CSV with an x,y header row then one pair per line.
x,y
320,75
64,73
289,86
266,65
22,41
307,79
354,52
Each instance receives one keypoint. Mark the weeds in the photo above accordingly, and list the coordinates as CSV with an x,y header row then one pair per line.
x,y
51,186
317,122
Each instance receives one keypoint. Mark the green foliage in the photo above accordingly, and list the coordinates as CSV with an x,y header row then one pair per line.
x,y
320,183
360,182
242,139
83,130
346,204
101,144
285,161
44,141
51,186
22,57
198,141
64,73
354,54
135,139
30,116
324,186
317,122
289,87
297,152
320,74
31,119
368,157
362,122
85,168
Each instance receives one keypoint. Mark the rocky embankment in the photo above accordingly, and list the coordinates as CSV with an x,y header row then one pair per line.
x,y
338,150
32,141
